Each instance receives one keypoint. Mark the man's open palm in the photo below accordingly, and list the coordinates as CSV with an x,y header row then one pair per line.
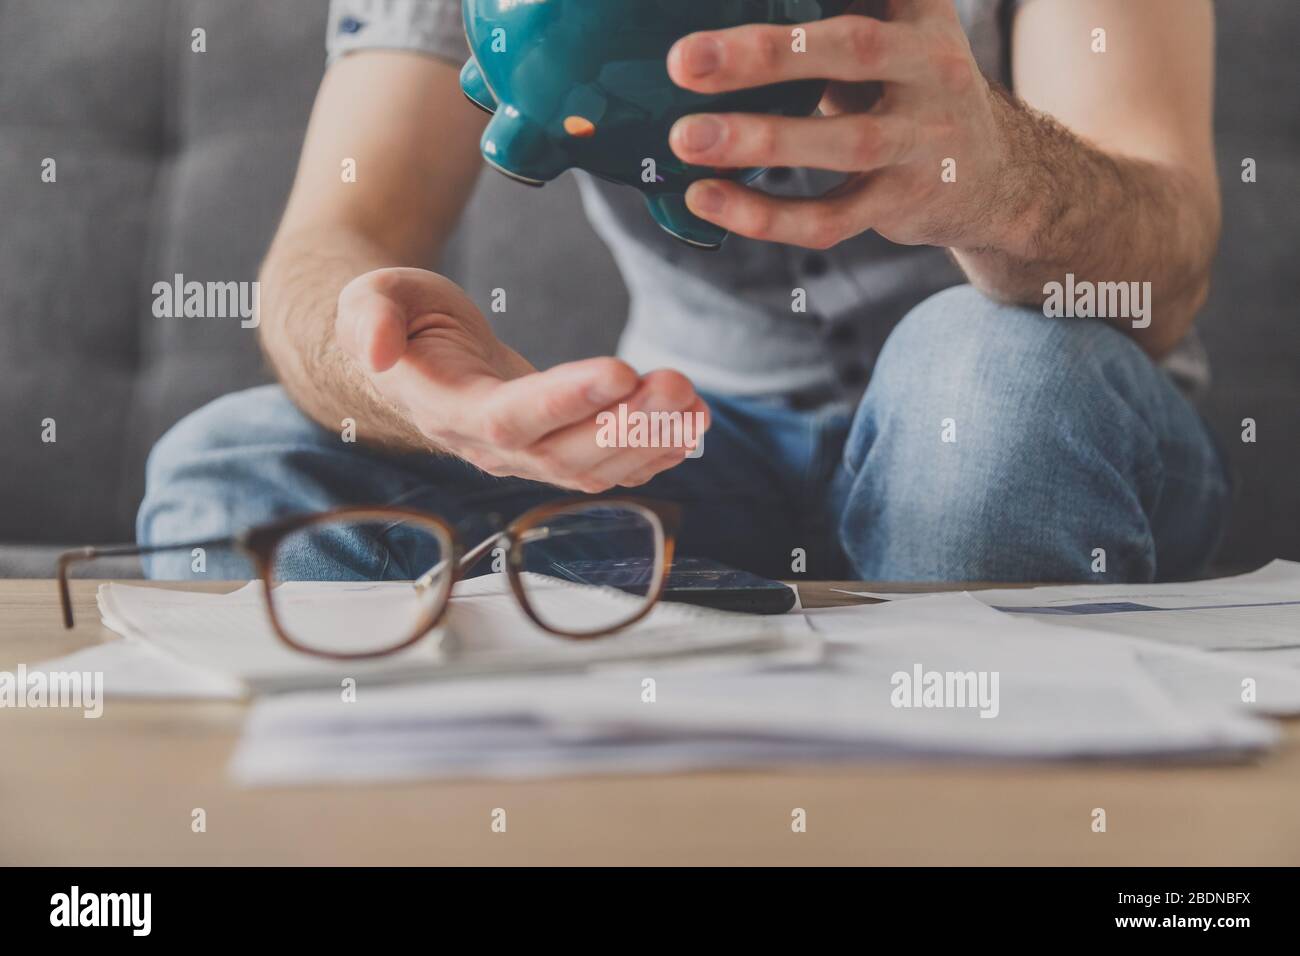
x,y
430,352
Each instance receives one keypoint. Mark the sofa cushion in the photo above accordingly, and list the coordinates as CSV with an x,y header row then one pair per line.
x,y
42,561
175,162
1252,321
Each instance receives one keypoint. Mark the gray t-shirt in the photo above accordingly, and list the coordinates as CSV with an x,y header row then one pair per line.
x,y
724,318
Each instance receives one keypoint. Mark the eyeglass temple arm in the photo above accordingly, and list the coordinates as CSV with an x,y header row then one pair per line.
x,y
69,558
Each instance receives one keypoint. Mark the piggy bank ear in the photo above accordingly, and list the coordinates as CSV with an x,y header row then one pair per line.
x,y
475,87
670,211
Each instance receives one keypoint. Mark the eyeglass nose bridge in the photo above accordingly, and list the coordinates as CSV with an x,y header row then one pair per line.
x,y
461,560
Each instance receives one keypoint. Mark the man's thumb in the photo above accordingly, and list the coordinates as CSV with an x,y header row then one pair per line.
x,y
373,330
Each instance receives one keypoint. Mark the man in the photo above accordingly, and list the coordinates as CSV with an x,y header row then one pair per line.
x,y
999,437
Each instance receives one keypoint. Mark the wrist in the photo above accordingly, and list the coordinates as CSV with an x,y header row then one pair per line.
x,y
1017,204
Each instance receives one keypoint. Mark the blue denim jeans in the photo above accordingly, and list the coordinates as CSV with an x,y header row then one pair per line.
x,y
992,444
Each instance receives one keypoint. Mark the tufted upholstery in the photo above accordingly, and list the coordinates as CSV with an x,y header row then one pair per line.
x,y
170,161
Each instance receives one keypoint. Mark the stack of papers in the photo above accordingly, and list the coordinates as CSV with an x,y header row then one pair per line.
x,y
1190,675
229,636
969,676
1053,696
1255,611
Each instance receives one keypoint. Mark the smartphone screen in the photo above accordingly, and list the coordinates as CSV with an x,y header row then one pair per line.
x,y
699,581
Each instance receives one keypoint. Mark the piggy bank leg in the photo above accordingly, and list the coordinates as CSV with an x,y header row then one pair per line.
x,y
521,149
669,210
475,87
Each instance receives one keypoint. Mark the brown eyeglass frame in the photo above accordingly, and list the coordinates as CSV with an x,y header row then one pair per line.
x,y
260,544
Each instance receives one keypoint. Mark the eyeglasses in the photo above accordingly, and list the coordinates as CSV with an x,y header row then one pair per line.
x,y
622,545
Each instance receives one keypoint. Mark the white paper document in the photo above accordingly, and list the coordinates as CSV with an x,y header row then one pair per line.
x,y
1255,611
1262,682
1023,691
937,677
133,669
230,637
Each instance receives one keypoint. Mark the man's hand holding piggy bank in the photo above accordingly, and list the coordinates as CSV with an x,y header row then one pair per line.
x,y
585,84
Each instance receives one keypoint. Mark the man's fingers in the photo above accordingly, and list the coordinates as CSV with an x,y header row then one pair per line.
x,y
579,446
637,465
372,329
656,467
814,223
847,143
624,468
514,415
850,48
593,457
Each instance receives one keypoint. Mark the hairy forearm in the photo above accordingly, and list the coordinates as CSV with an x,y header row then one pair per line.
x,y
1064,206
301,280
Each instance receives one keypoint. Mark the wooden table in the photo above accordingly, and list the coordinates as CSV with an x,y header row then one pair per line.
x,y
121,790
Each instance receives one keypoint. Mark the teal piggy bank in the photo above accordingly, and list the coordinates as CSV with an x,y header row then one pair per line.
x,y
584,84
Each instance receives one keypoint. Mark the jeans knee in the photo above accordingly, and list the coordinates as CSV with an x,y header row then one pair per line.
x,y
960,339
201,481
987,440
1005,380
229,423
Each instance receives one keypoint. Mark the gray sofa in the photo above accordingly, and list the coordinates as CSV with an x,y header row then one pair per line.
x,y
174,162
